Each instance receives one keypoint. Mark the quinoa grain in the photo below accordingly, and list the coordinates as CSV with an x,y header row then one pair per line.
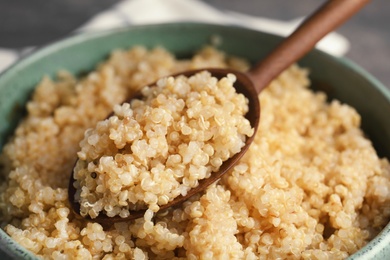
x,y
311,185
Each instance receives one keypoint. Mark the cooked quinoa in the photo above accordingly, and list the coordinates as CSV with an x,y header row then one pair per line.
x,y
311,185
157,148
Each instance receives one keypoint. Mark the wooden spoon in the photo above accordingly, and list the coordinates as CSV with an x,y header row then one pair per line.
x,y
329,16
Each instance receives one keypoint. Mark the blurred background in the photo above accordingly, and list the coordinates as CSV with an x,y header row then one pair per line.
x,y
37,22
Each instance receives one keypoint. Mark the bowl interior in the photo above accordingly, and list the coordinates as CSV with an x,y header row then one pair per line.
x,y
339,78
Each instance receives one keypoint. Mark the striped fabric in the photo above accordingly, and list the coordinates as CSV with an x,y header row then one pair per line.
x,y
133,12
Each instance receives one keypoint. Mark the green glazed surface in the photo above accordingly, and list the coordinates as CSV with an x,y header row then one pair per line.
x,y
340,78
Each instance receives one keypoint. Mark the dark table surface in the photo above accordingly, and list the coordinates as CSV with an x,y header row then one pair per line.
x,y
36,22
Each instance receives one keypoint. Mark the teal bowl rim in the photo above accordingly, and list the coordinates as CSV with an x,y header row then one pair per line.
x,y
376,245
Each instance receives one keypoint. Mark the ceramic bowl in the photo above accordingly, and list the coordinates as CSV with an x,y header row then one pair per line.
x,y
338,77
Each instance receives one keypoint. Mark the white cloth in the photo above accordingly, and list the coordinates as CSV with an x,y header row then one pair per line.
x,y
133,12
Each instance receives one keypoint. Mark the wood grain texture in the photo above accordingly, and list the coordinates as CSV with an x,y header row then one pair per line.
x,y
26,23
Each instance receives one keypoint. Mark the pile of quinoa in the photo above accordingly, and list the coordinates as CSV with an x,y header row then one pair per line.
x,y
311,185
153,150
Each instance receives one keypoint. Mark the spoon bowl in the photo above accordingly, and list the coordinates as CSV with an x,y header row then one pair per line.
x,y
329,16
253,115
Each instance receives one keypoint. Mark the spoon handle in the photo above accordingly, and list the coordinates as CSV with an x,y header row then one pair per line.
x,y
328,17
